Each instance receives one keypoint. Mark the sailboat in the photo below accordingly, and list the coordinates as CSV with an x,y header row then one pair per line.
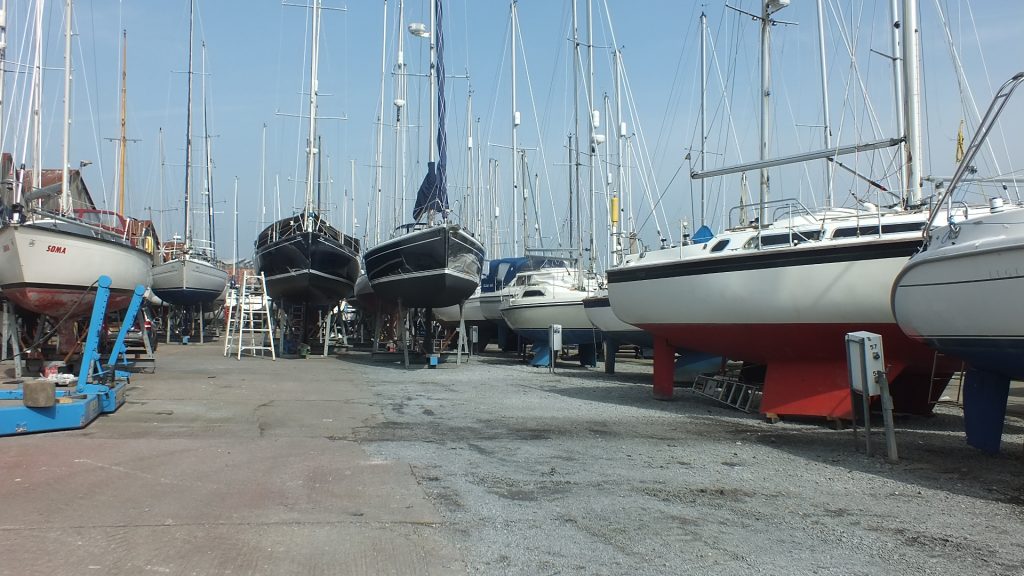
x,y
50,256
432,262
539,298
783,294
959,293
305,259
189,275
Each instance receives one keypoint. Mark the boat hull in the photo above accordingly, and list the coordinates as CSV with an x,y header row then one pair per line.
x,y
188,282
46,267
788,309
471,313
959,295
599,312
532,318
308,267
490,305
428,268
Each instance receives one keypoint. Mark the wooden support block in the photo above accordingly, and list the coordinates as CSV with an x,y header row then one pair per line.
x,y
771,418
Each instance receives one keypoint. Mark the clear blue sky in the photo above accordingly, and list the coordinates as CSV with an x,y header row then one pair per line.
x,y
257,50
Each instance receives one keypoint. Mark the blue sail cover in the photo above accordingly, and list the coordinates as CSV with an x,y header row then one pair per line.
x,y
426,198
433,192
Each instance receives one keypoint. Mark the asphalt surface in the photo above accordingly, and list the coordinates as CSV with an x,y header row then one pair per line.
x,y
346,465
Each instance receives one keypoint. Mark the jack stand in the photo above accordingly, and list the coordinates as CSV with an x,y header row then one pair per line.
x,y
10,337
45,409
403,320
463,340
327,332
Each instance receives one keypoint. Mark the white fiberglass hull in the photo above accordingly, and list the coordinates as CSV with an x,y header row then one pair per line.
x,y
471,312
787,308
490,305
532,317
960,295
46,266
601,315
186,282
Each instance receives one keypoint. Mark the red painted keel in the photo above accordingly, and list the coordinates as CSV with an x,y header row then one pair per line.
x,y
805,364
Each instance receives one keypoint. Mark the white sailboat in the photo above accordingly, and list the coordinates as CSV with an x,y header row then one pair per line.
x,y
189,275
959,293
49,255
783,294
539,298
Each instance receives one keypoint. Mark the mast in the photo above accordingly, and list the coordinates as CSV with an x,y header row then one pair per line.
x,y
65,173
594,122
432,78
37,89
829,200
575,161
398,208
766,83
703,108
378,168
319,173
188,133
897,83
234,250
515,142
263,175
314,63
3,58
912,82
208,155
163,163
467,211
620,128
122,152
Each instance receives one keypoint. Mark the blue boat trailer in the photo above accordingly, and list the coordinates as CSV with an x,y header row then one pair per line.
x,y
100,388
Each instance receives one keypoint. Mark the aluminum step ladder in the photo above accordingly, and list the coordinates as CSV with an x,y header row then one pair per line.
x,y
744,396
251,329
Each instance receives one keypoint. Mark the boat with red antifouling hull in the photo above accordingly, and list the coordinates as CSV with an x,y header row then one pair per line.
x,y
783,289
48,262
786,304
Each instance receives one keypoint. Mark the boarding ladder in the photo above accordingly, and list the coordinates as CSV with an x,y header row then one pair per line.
x,y
250,327
729,391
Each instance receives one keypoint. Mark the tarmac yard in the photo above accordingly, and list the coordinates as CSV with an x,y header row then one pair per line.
x,y
342,465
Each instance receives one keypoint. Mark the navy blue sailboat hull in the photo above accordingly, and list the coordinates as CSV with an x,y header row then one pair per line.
x,y
308,267
427,268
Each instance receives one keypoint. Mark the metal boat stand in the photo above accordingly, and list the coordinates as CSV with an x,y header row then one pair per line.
x,y
99,390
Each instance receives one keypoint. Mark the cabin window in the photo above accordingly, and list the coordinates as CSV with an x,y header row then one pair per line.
x,y
790,238
872,230
528,293
902,227
720,245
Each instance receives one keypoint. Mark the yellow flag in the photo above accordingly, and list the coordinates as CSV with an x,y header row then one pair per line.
x,y
960,143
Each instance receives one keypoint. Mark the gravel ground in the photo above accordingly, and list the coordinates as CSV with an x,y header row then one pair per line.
x,y
580,472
